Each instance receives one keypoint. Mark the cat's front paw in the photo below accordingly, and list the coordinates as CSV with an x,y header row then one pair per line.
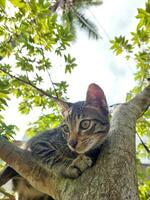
x,y
78,166
82,162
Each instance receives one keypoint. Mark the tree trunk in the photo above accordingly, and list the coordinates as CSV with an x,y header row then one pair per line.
x,y
113,177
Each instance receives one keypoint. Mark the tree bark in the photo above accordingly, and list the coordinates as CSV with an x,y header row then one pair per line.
x,y
113,177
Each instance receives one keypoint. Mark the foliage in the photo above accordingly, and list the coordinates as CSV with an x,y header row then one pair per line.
x,y
73,13
30,35
144,184
7,130
44,122
137,48
75,17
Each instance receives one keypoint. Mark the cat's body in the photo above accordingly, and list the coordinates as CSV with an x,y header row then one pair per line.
x,y
72,147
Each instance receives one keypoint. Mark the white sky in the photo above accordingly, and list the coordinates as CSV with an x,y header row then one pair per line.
x,y
96,62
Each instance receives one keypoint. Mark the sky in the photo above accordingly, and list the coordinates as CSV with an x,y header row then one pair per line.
x,y
96,62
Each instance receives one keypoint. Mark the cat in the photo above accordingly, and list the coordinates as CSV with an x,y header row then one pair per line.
x,y
72,147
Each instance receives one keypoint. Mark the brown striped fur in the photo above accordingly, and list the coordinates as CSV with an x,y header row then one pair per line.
x,y
72,147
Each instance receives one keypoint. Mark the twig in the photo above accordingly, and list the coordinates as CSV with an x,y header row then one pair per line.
x,y
114,105
52,83
49,74
10,196
58,4
30,84
144,145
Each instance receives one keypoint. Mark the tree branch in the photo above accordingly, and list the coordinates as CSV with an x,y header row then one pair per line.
x,y
140,103
58,4
26,166
30,84
10,196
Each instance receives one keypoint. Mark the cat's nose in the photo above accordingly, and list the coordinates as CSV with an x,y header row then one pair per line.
x,y
73,143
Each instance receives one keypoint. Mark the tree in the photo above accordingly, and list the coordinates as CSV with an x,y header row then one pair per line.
x,y
114,175
137,49
29,47
73,13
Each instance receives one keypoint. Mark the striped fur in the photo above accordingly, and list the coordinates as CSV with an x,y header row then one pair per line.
x,y
72,147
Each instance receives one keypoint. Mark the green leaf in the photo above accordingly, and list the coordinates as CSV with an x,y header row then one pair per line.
x,y
18,3
3,4
70,63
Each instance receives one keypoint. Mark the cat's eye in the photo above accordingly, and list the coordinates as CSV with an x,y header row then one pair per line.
x,y
85,124
65,128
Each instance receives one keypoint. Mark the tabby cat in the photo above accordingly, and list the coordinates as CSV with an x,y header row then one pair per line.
x,y
73,146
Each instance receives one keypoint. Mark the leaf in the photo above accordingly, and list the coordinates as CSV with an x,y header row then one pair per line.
x,y
3,101
87,25
70,63
3,4
18,3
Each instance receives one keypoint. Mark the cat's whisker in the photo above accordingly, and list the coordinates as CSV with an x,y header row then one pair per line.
x,y
85,141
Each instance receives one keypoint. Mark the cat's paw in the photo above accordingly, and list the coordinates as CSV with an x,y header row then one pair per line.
x,y
82,162
78,166
72,172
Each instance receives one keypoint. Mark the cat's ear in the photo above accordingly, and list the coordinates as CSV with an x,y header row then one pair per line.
x,y
63,107
95,97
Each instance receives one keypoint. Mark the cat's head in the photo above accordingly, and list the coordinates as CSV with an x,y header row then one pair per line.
x,y
86,124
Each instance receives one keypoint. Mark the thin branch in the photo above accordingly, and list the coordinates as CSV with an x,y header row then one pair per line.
x,y
145,146
10,196
43,55
30,84
56,5
52,83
